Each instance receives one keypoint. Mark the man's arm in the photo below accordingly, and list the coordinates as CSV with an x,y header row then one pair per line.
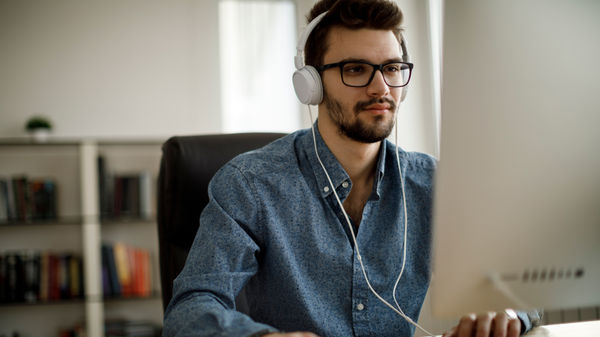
x,y
220,262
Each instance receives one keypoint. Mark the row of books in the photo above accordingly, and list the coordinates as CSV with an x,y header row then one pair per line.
x,y
128,328
34,276
126,271
77,331
124,195
23,199
118,328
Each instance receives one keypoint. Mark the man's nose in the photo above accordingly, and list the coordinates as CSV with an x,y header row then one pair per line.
x,y
378,87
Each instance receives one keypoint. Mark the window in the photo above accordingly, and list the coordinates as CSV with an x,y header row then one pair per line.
x,y
257,46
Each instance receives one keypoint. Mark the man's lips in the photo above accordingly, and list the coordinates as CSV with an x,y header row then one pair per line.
x,y
378,108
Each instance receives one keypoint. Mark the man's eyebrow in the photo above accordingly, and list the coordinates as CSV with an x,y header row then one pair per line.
x,y
396,59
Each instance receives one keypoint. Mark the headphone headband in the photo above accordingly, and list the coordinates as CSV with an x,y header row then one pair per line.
x,y
299,59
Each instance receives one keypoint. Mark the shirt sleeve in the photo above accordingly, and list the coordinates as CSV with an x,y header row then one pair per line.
x,y
529,319
221,261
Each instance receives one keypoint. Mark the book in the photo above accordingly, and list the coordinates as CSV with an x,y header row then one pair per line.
x,y
10,197
75,271
3,280
145,195
44,276
53,277
127,328
43,199
123,267
31,266
146,273
21,198
113,287
15,289
3,201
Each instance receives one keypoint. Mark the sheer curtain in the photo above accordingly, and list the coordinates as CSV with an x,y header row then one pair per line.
x,y
257,46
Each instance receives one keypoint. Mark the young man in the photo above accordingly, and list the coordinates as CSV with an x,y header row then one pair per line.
x,y
274,224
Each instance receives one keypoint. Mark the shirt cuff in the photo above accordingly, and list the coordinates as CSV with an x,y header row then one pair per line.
x,y
262,333
529,319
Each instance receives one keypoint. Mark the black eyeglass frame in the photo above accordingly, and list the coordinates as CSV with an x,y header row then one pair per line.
x,y
375,68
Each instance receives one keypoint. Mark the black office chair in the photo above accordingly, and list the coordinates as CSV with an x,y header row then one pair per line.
x,y
188,163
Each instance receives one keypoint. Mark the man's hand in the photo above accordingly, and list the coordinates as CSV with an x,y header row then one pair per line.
x,y
292,334
497,324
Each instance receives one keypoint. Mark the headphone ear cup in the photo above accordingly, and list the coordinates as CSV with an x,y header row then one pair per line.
x,y
307,85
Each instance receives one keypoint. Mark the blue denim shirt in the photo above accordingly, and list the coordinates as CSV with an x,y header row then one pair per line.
x,y
273,225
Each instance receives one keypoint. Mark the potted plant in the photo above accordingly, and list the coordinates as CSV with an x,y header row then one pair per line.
x,y
39,128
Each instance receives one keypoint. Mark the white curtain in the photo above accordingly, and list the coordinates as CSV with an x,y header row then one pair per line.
x,y
257,46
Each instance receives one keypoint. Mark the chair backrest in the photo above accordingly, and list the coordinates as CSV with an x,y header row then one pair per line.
x,y
188,163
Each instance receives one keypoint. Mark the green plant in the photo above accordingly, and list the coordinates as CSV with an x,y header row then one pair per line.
x,y
38,123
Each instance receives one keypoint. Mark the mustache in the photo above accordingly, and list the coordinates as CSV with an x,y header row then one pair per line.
x,y
362,105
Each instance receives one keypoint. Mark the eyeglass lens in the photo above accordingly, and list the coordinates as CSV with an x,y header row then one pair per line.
x,y
359,74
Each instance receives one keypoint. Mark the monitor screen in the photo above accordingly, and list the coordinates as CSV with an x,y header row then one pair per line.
x,y
517,191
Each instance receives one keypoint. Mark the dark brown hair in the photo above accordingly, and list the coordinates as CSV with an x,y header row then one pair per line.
x,y
351,14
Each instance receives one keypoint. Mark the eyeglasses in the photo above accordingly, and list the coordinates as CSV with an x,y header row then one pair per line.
x,y
361,73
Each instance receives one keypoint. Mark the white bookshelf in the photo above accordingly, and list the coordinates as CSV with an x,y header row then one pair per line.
x,y
72,164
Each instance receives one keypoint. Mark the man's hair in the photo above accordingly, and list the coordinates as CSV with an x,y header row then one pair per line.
x,y
351,14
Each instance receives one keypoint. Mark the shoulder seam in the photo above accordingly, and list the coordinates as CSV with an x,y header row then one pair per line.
x,y
259,211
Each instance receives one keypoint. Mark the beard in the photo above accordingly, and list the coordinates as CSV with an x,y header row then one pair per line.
x,y
357,129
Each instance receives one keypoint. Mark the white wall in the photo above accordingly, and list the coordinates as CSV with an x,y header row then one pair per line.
x,y
110,68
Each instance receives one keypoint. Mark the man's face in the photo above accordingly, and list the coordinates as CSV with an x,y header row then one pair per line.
x,y
364,114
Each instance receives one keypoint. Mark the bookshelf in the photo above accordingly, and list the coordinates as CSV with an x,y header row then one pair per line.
x,y
80,225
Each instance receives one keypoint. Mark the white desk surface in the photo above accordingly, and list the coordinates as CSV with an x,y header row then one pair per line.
x,y
579,329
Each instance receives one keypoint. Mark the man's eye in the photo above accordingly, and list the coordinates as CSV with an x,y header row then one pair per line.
x,y
392,68
354,69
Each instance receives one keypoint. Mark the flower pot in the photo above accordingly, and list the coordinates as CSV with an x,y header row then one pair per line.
x,y
40,135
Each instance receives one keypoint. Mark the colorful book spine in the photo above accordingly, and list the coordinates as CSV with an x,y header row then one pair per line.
x,y
23,199
34,276
128,270
124,195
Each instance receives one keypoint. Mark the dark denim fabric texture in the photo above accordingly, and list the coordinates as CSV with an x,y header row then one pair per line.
x,y
273,225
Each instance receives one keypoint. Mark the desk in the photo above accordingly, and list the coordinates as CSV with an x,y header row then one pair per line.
x,y
579,329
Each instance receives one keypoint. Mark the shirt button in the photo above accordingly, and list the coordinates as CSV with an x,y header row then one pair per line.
x,y
345,184
360,307
326,188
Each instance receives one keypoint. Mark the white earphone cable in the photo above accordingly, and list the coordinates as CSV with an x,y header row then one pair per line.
x,y
398,310
405,213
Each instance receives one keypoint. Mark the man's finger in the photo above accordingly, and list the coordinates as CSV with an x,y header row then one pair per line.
x,y
500,324
514,328
484,324
466,325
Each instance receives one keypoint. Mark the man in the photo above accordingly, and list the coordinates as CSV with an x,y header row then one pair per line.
x,y
274,224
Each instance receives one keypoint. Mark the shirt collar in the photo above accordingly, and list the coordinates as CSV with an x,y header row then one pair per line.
x,y
380,170
335,170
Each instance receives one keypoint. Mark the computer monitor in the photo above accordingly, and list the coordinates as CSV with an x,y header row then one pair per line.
x,y
517,190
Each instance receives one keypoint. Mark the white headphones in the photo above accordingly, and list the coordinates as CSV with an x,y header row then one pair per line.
x,y
306,79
